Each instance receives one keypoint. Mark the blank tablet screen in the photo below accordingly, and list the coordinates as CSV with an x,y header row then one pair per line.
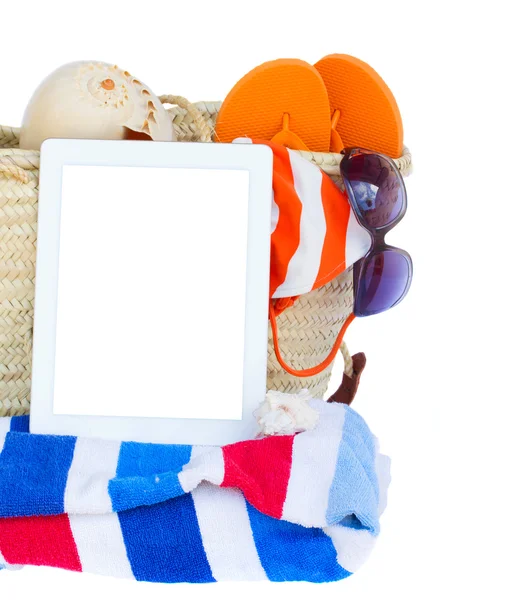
x,y
151,294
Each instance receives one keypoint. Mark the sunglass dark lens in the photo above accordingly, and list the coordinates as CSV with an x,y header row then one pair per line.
x,y
377,188
383,282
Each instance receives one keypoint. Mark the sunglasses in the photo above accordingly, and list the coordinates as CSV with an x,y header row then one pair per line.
x,y
378,198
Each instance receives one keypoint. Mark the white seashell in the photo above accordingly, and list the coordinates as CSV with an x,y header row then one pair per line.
x,y
93,100
286,414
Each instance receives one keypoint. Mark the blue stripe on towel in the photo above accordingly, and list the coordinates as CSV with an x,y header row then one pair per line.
x,y
290,552
164,543
39,489
355,483
148,459
20,424
147,474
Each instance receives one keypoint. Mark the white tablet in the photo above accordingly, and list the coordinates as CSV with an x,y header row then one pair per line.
x,y
152,282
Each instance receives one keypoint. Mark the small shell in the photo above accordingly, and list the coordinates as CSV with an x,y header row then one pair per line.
x,y
286,414
93,100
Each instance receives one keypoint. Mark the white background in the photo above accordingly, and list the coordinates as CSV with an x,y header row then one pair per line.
x,y
438,388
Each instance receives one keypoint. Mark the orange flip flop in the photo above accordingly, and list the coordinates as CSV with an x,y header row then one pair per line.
x,y
284,101
364,112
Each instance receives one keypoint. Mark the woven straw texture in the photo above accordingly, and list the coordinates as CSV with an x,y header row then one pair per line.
x,y
307,331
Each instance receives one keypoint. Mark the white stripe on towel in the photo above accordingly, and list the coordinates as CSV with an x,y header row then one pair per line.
x,y
206,463
353,546
100,545
5,426
227,534
313,467
94,464
382,465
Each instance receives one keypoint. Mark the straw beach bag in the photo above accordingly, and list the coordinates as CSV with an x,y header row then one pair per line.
x,y
307,331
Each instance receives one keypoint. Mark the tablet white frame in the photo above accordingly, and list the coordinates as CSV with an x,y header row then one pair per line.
x,y
57,153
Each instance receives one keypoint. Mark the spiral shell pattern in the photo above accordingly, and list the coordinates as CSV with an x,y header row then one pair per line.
x,y
93,100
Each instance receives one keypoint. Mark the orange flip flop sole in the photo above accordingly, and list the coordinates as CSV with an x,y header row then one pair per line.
x,y
256,105
369,115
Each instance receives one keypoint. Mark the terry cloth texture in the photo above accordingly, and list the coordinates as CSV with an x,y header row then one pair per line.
x,y
283,508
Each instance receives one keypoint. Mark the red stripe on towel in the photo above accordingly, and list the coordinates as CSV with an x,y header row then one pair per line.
x,y
261,469
40,541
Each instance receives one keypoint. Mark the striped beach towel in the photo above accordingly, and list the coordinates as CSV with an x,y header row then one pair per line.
x,y
315,235
283,508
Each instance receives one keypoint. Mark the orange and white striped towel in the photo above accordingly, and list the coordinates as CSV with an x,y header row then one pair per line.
x,y
315,235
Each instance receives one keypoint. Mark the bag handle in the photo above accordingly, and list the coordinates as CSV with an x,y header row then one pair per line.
x,y
11,170
204,130
312,370
350,382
